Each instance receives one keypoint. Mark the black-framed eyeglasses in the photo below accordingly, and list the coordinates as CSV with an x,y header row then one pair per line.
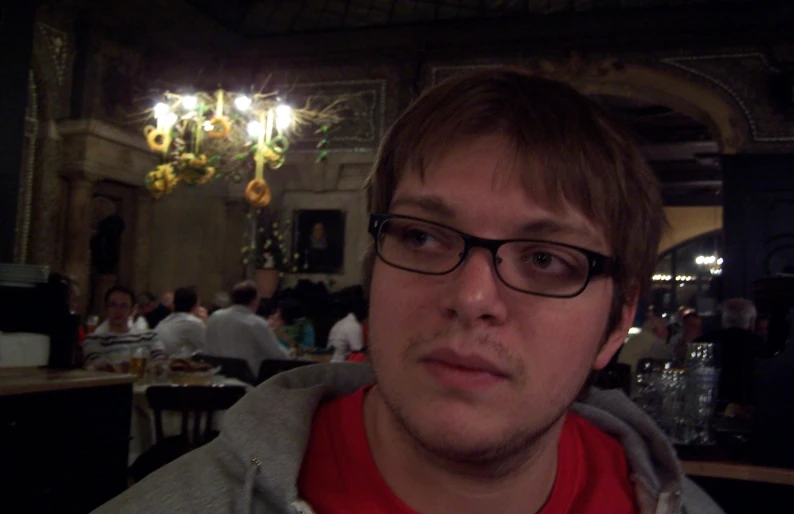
x,y
542,268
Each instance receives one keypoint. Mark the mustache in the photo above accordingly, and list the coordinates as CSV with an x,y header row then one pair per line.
x,y
479,342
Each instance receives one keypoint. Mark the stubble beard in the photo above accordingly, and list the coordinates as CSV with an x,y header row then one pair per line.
x,y
491,460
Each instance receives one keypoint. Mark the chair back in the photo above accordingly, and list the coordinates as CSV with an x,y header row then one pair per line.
x,y
230,367
272,367
201,401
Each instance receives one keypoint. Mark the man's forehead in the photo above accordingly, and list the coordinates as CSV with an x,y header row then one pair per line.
x,y
539,212
120,296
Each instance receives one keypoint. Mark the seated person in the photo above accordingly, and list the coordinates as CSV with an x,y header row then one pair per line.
x,y
135,323
648,343
112,350
238,332
347,335
157,311
737,344
182,332
295,332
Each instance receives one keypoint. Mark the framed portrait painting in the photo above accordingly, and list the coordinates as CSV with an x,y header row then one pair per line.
x,y
320,240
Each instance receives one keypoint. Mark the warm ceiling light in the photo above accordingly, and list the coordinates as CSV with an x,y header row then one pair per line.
x,y
243,103
189,102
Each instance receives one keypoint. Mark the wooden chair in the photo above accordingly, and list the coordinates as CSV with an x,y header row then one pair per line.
x,y
201,401
272,367
230,367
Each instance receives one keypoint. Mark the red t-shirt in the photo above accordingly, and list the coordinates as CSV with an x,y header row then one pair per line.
x,y
339,475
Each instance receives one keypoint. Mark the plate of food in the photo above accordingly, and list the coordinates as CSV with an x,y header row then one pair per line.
x,y
188,372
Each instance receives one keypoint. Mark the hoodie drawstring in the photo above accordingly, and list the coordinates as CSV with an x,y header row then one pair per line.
x,y
246,499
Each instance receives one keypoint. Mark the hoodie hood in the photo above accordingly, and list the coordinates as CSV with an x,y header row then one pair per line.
x,y
253,466
256,432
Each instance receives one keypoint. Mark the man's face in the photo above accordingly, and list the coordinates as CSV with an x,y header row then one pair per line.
x,y
119,309
168,300
540,350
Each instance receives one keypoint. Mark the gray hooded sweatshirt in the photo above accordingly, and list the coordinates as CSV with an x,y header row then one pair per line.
x,y
253,466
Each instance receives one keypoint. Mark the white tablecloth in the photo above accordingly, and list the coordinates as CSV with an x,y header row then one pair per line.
x,y
142,431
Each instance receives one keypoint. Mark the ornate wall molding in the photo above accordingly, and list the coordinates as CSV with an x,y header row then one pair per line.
x,y
363,120
743,77
57,49
25,195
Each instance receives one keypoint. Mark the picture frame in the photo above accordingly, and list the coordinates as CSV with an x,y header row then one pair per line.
x,y
319,239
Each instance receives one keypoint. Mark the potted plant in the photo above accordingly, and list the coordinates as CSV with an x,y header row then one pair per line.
x,y
269,249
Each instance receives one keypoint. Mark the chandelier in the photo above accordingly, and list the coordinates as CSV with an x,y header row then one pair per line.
x,y
202,137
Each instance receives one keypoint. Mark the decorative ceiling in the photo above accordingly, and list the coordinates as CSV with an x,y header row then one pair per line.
x,y
260,18
680,150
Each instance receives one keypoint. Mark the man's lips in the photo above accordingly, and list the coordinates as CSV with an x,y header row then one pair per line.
x,y
472,363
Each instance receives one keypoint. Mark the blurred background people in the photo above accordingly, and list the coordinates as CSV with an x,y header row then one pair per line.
x,y
691,329
737,346
182,332
161,310
650,342
294,330
347,335
237,331
113,349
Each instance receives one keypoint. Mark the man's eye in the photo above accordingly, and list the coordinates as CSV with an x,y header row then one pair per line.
x,y
417,237
542,260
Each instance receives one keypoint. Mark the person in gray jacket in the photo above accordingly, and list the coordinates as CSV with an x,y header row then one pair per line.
x,y
506,212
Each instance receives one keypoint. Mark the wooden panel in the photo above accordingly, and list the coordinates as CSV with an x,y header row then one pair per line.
x,y
758,209
187,242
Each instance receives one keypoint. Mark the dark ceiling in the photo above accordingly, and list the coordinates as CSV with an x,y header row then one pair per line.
x,y
259,18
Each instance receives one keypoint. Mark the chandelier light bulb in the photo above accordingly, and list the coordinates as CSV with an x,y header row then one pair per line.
x,y
169,119
160,110
242,102
283,117
189,102
254,128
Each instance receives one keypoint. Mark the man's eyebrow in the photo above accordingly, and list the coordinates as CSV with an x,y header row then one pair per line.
x,y
430,204
549,227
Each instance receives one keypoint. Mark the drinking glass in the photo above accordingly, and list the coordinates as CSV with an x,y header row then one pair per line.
x,y
701,393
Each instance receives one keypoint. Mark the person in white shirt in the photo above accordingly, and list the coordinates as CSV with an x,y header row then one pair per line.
x,y
648,343
113,349
238,332
347,335
181,332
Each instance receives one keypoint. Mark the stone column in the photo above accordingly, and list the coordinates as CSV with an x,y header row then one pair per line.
x,y
142,241
77,251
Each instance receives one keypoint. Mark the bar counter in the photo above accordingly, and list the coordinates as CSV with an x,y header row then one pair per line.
x,y
15,381
738,471
64,438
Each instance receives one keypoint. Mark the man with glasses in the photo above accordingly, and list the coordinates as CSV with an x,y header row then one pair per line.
x,y
514,229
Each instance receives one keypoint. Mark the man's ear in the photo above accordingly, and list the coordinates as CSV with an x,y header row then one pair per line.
x,y
614,340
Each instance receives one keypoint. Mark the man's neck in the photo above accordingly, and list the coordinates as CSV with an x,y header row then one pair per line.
x,y
427,485
118,329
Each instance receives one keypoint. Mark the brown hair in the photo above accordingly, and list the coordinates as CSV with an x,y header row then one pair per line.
x,y
573,152
243,293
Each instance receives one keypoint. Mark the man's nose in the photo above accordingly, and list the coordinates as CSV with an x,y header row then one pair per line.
x,y
475,291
